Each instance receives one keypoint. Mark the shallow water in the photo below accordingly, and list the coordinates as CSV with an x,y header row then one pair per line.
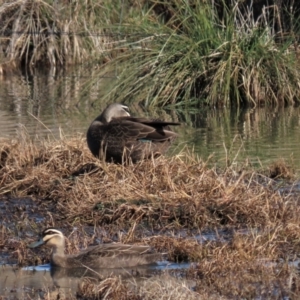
x,y
35,282
19,283
48,105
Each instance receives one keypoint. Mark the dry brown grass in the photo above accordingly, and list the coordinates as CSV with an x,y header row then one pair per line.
x,y
280,170
168,192
151,202
157,287
110,288
247,280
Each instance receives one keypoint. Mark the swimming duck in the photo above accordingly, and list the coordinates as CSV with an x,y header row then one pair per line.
x,y
113,255
117,137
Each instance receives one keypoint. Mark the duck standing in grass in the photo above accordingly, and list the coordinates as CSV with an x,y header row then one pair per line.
x,y
114,255
117,137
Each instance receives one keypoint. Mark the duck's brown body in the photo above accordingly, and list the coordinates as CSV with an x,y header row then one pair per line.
x,y
107,256
118,137
115,255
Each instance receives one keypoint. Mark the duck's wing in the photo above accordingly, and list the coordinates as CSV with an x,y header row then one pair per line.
x,y
150,122
113,250
116,255
130,129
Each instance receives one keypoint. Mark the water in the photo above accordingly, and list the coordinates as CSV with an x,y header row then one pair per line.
x,y
261,135
35,282
47,106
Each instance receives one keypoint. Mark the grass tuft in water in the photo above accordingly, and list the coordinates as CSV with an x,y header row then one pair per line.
x,y
56,33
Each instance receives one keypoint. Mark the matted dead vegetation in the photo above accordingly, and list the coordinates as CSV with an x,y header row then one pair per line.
x,y
59,183
158,287
176,192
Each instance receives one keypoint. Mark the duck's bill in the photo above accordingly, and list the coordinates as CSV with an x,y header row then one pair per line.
x,y
36,244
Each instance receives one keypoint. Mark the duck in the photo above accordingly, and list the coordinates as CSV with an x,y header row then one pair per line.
x,y
117,137
111,255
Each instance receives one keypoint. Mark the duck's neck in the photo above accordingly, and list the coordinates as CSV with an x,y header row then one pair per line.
x,y
59,250
102,119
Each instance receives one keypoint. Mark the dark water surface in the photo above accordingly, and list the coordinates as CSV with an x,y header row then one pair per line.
x,y
49,106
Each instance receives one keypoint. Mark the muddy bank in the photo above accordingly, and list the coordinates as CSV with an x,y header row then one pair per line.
x,y
167,203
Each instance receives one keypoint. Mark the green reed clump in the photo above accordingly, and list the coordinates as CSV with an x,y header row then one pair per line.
x,y
198,57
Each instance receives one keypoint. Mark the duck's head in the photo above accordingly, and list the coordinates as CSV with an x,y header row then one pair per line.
x,y
50,237
114,110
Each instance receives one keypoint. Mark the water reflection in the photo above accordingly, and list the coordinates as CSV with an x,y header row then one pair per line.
x,y
20,283
263,135
45,105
